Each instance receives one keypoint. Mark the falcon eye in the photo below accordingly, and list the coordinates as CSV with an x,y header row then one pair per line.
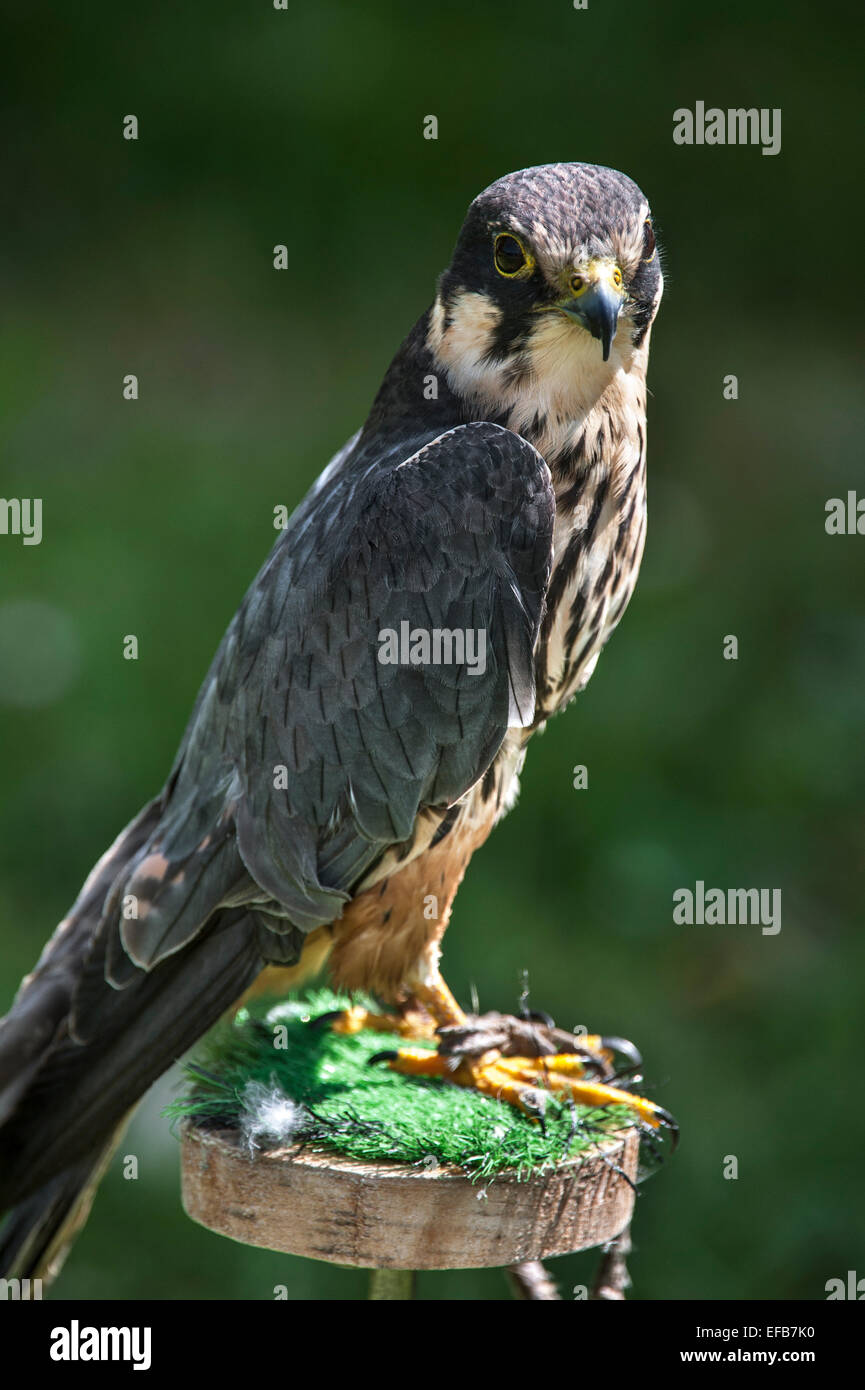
x,y
648,240
509,256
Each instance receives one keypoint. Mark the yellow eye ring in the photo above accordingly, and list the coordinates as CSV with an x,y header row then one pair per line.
x,y
510,257
617,277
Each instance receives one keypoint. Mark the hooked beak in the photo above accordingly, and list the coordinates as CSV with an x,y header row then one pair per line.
x,y
595,302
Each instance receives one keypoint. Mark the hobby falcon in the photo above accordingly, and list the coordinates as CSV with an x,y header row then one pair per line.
x,y
345,757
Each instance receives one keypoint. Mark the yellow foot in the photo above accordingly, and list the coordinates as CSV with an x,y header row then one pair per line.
x,y
528,1082
520,1080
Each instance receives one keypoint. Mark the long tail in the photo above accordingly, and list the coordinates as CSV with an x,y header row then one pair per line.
x,y
64,1101
38,1233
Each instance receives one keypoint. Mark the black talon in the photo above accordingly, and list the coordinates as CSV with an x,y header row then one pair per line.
x,y
381,1057
532,1015
539,1016
669,1123
321,1019
625,1049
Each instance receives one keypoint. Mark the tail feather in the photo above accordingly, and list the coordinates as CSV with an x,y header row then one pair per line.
x,y
43,1001
65,1097
82,1090
38,1234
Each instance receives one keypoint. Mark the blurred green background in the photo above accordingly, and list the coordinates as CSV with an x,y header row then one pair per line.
x,y
155,257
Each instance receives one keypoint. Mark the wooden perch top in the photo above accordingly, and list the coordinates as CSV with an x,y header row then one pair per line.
x,y
326,1207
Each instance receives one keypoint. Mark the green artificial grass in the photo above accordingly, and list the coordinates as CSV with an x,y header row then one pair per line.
x,y
277,1080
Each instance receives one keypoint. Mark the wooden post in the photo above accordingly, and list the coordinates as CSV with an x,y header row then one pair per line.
x,y
391,1284
390,1218
612,1276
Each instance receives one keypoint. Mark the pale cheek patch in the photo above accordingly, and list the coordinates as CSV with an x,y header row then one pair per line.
x,y
473,320
461,338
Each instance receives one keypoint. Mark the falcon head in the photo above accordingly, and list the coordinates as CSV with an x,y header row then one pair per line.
x,y
555,272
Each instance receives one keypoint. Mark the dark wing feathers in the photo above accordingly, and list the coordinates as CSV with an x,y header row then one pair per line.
x,y
457,536
306,756
321,754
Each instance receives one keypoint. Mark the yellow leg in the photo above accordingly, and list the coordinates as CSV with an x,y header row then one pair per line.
x,y
436,997
408,1025
431,1006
